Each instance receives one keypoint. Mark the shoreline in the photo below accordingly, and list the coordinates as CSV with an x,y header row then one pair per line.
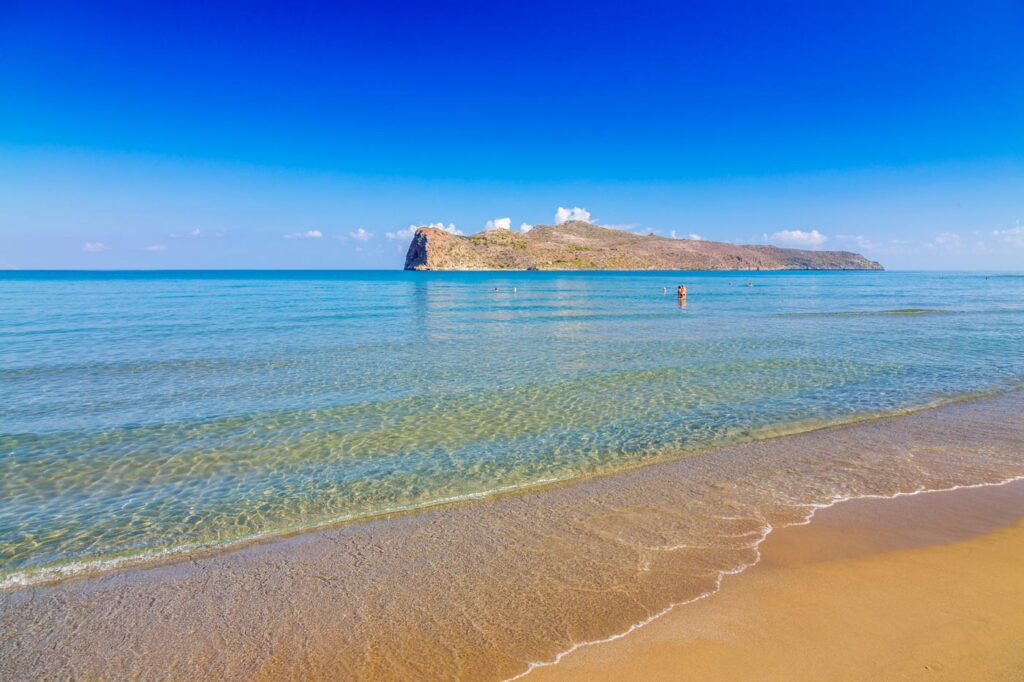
x,y
97,568
758,617
479,590
668,610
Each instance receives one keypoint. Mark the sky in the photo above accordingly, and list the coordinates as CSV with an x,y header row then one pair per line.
x,y
313,135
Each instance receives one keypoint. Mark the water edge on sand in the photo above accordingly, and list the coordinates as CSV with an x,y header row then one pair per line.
x,y
917,587
489,589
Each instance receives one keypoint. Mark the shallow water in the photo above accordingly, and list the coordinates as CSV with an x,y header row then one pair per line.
x,y
490,589
155,412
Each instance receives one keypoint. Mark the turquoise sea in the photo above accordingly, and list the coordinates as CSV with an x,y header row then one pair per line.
x,y
146,413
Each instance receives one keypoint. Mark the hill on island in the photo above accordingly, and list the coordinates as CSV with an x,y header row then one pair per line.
x,y
582,246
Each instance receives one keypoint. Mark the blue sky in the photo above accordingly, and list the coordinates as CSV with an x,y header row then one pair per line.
x,y
261,135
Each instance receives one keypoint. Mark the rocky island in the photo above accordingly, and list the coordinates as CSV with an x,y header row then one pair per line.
x,y
582,246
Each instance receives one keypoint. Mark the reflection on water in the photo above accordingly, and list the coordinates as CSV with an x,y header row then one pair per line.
x,y
148,412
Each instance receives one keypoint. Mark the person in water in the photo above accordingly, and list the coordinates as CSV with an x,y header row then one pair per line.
x,y
681,291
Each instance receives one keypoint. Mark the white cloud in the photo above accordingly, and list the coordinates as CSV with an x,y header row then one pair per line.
x,y
1013,236
156,247
525,227
308,234
798,237
692,236
859,240
402,234
408,232
361,234
94,247
194,233
450,229
564,215
499,224
949,241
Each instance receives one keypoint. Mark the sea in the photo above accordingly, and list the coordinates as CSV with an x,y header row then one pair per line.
x,y
145,415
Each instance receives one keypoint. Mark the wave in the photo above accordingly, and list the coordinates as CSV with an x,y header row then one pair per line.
x,y
909,312
62,570
768,529
56,572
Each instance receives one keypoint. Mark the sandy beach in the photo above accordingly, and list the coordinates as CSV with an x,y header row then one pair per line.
x,y
489,589
492,342
920,587
486,590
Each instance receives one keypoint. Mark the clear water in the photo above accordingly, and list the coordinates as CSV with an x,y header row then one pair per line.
x,y
145,413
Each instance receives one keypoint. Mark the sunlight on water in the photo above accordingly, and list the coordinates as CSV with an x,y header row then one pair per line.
x,y
148,412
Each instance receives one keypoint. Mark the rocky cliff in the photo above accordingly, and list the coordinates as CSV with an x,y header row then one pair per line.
x,y
582,246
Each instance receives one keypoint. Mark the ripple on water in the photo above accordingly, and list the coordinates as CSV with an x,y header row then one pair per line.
x,y
484,591
257,404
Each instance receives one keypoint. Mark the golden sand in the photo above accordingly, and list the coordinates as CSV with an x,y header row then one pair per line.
x,y
852,596
479,590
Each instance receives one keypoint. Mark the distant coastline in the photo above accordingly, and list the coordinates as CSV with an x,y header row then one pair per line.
x,y
577,245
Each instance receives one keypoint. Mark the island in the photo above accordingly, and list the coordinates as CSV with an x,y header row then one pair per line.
x,y
578,245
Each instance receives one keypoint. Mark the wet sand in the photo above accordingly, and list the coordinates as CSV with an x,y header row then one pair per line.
x,y
482,590
920,587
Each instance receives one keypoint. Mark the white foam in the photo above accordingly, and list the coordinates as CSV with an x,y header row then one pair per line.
x,y
813,508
